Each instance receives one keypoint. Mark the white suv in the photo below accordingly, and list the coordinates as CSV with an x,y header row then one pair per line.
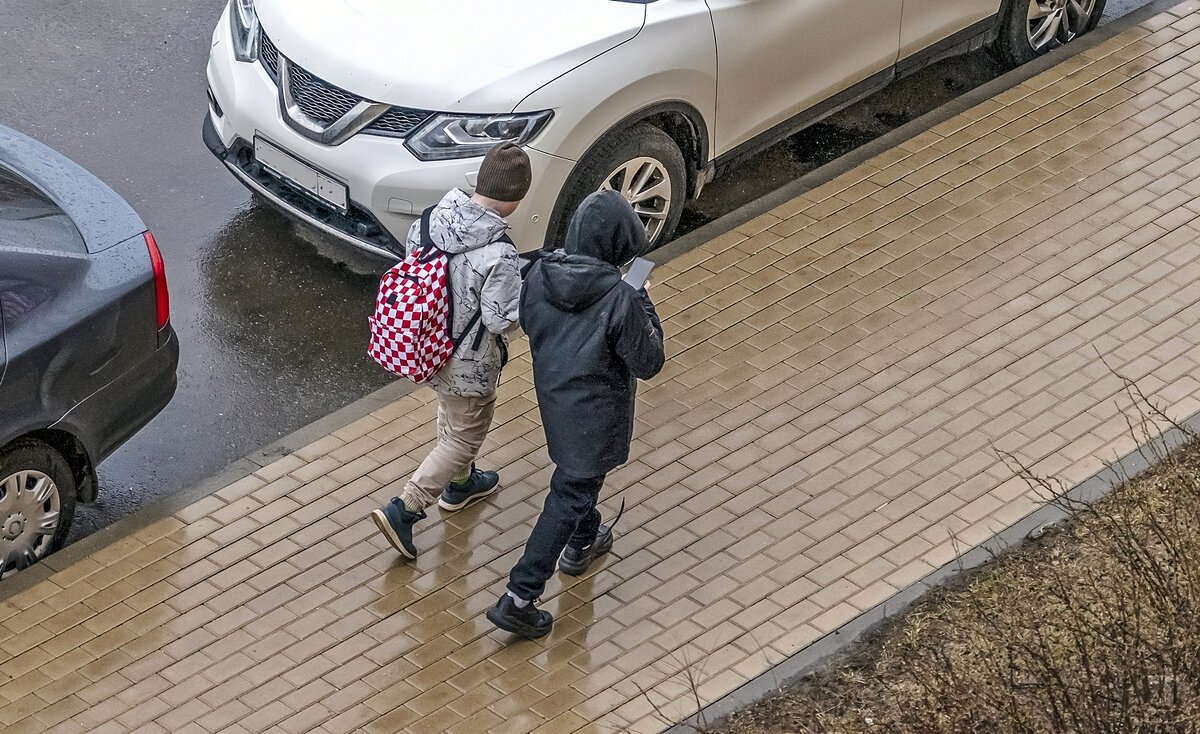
x,y
354,115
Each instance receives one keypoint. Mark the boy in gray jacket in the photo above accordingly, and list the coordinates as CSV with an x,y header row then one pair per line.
x,y
485,278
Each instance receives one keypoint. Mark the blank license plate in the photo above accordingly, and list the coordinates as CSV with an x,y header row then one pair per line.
x,y
300,174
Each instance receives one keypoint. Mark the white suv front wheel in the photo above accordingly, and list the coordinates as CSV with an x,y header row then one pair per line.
x,y
641,162
645,183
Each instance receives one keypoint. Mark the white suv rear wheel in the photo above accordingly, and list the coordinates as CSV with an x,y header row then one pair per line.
x,y
1031,28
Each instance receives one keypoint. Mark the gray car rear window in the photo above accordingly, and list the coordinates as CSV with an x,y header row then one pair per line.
x,y
30,220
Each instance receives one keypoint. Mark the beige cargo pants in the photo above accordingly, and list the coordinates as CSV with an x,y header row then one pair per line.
x,y
462,426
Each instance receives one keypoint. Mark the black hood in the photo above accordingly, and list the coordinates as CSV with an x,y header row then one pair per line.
x,y
606,228
605,233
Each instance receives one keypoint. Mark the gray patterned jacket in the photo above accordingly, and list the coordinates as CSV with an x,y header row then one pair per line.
x,y
485,277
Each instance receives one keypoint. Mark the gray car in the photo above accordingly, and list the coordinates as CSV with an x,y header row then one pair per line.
x,y
87,352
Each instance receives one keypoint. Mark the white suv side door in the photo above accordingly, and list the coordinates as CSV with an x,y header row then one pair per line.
x,y
776,58
928,21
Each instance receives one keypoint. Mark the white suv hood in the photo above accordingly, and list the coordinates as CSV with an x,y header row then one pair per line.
x,y
446,55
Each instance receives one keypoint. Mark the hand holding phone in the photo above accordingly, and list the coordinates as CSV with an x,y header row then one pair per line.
x,y
639,273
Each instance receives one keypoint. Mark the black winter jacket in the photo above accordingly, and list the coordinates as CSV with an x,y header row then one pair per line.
x,y
592,337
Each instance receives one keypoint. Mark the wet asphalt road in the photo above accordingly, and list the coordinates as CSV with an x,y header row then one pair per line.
x,y
272,320
272,332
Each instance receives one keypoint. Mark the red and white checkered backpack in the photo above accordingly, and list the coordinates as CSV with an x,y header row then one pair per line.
x,y
414,312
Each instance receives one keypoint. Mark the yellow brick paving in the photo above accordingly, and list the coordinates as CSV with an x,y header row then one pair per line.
x,y
843,374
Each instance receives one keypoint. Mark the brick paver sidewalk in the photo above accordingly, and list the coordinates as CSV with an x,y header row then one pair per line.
x,y
842,373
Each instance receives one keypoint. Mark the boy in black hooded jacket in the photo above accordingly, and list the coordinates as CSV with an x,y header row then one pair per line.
x,y
592,337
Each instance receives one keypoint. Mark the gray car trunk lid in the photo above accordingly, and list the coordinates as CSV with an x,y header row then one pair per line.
x,y
101,215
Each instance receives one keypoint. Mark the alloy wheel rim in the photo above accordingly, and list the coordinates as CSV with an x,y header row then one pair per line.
x,y
646,184
1051,23
29,513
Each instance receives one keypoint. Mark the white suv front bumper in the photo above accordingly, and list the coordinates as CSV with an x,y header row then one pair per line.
x,y
387,185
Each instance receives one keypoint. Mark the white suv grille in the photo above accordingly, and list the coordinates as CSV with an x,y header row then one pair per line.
x,y
327,103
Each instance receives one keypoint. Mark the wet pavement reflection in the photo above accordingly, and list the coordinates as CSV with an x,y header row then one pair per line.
x,y
272,319
272,328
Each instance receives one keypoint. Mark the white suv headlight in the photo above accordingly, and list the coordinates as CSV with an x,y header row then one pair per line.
x,y
466,136
244,20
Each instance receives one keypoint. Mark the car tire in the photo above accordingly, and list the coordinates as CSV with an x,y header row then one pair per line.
x,y
19,511
640,147
1019,41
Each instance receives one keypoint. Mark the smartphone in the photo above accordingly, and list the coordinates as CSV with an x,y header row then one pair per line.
x,y
639,272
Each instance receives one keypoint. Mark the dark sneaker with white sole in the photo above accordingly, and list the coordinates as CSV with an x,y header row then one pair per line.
x,y
396,524
528,622
576,561
458,495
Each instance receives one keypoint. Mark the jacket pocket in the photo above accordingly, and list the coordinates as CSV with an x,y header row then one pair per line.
x,y
503,351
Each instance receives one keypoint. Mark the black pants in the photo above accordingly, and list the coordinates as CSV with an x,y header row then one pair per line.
x,y
569,516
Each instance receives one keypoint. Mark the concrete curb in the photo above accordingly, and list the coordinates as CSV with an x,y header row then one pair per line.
x,y
1094,488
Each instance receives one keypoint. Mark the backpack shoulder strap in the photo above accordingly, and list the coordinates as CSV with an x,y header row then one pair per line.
x,y
456,341
429,250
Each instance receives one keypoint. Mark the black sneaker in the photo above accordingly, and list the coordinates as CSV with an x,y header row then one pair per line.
x,y
576,561
529,622
477,486
396,524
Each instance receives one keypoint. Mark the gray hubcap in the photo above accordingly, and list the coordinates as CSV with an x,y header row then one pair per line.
x,y
645,183
29,507
1055,22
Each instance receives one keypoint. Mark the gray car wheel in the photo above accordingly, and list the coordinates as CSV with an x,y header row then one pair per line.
x,y
37,504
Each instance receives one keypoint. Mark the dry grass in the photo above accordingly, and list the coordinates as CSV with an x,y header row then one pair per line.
x,y
1095,627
